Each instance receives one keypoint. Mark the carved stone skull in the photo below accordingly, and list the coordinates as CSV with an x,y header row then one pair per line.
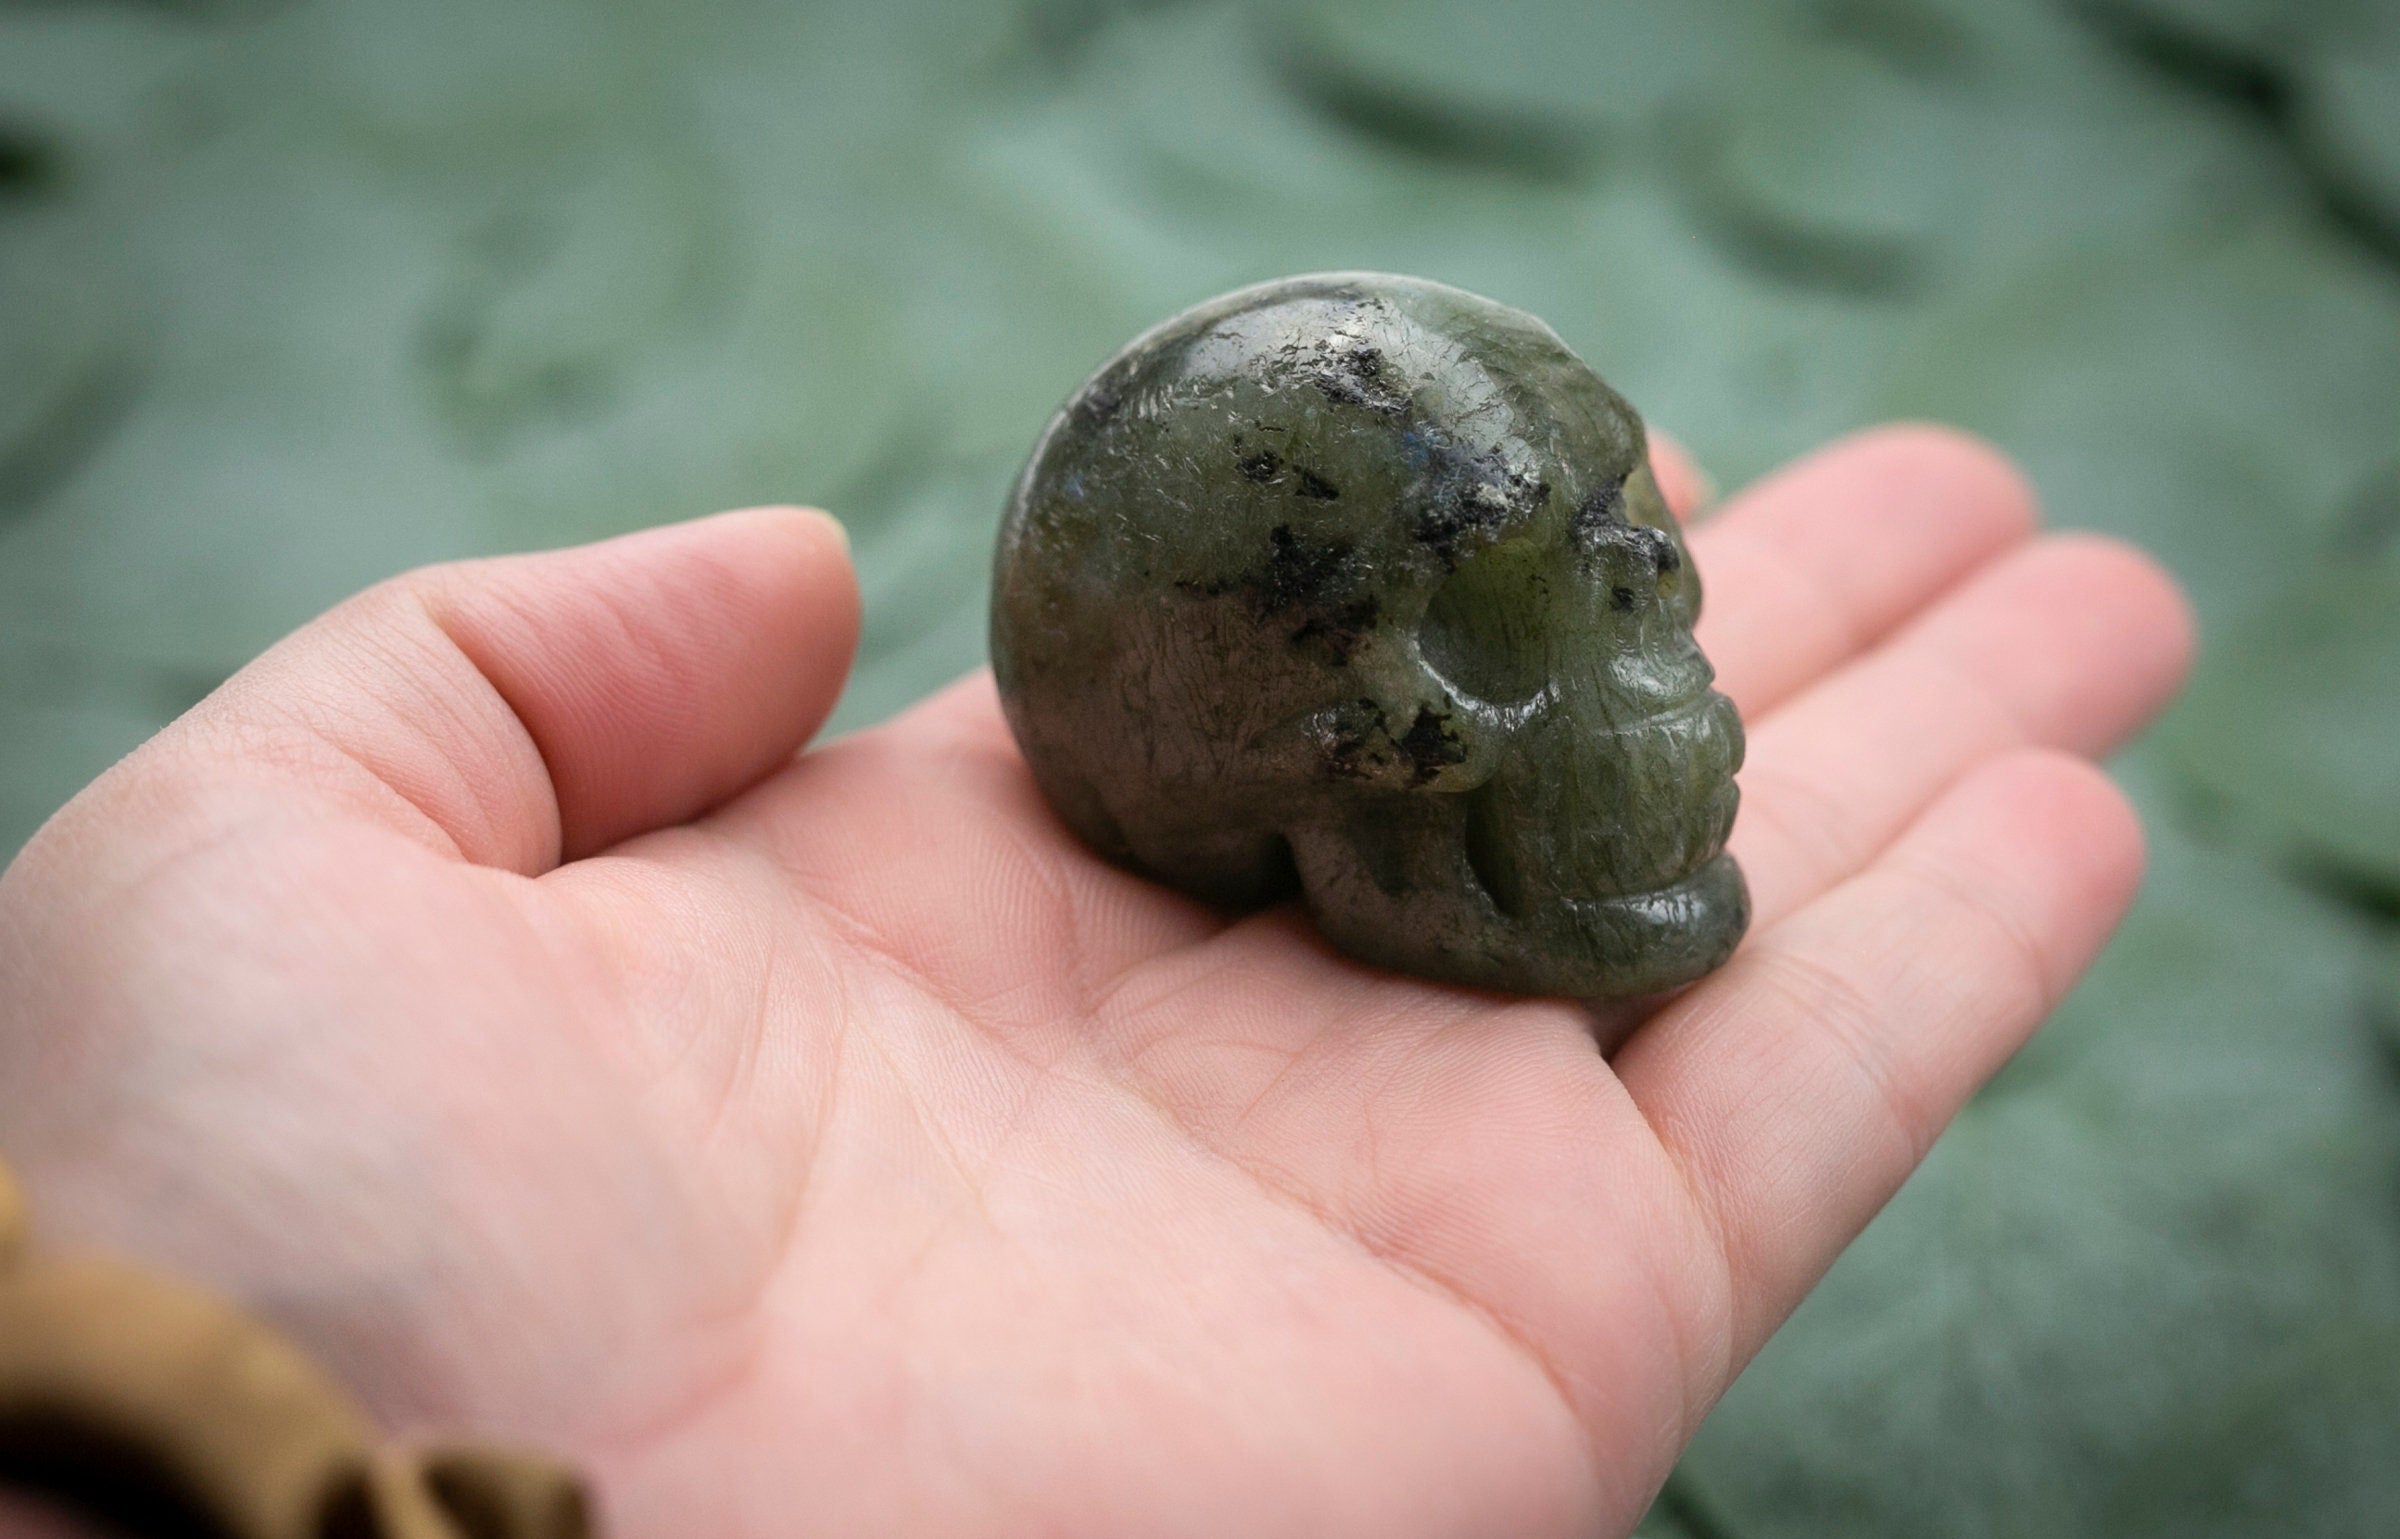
x,y
1361,586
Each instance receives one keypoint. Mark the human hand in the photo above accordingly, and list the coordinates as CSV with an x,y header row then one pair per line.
x,y
479,986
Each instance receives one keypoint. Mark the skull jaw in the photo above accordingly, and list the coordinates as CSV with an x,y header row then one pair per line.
x,y
1441,924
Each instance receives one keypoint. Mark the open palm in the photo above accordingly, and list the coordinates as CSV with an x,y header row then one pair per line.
x,y
478,985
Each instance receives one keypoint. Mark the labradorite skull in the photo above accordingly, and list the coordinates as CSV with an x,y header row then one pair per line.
x,y
1360,586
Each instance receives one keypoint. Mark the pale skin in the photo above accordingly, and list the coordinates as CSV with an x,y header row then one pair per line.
x,y
486,986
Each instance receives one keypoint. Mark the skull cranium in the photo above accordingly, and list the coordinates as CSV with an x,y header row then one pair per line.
x,y
1362,585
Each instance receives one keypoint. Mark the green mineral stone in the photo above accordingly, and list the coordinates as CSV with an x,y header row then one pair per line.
x,y
1360,586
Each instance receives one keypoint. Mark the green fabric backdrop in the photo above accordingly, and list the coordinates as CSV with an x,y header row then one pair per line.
x,y
294,295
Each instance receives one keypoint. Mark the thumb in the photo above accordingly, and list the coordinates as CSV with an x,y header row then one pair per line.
x,y
526,709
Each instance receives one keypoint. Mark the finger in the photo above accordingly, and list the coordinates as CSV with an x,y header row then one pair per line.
x,y
1798,1087
525,709
2071,642
1819,561
1687,488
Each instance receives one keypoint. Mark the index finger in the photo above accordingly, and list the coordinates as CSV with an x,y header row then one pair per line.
x,y
1827,556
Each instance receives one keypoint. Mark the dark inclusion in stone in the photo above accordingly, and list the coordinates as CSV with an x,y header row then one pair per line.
x,y
1360,586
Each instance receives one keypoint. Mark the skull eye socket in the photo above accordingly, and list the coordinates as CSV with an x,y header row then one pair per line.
x,y
1487,631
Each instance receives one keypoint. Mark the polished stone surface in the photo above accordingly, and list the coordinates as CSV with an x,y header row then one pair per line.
x,y
1360,585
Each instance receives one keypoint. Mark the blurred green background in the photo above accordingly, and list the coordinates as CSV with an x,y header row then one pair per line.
x,y
296,293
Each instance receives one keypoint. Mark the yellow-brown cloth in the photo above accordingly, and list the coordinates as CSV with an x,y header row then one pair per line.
x,y
158,1409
